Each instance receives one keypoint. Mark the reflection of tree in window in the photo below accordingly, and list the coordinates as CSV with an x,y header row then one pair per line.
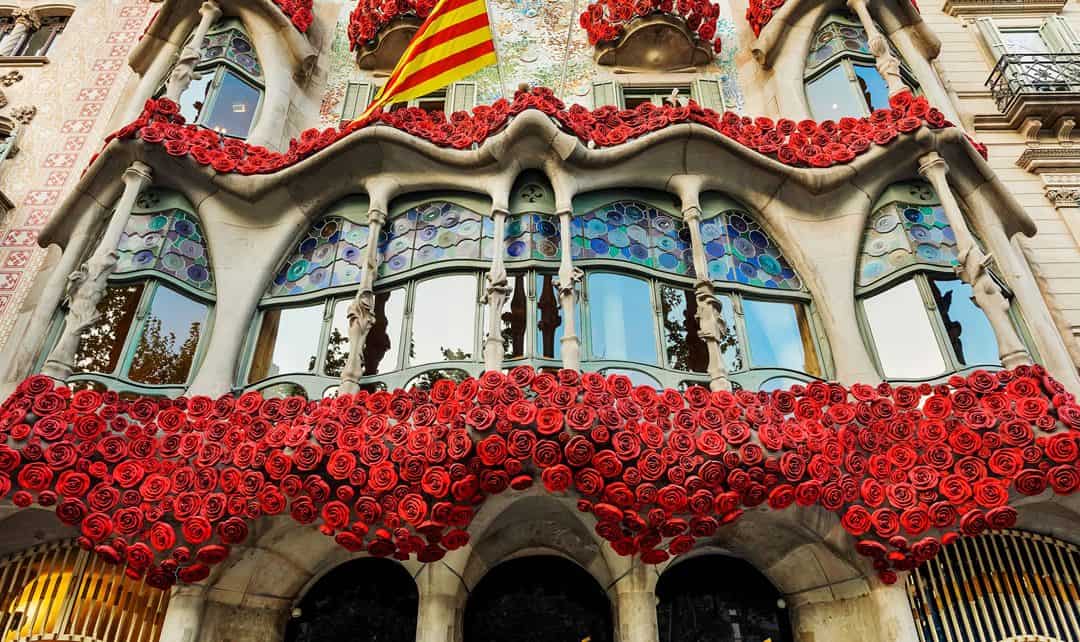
x,y
684,346
952,327
425,380
550,316
158,360
514,319
101,343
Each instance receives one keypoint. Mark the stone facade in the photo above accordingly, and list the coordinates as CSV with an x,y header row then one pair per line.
x,y
1015,218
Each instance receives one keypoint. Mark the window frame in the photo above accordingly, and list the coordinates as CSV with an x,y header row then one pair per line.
x,y
58,23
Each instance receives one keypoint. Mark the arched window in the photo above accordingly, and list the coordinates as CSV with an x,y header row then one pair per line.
x,y
640,309
375,600
157,307
921,319
226,97
36,36
715,597
1007,585
538,599
841,76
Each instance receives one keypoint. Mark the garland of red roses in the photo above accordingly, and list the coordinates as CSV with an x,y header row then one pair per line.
x,y
909,468
805,143
606,20
760,12
298,11
370,16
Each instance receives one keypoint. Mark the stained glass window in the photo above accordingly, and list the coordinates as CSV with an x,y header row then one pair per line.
x,y
330,254
228,41
740,251
528,237
427,233
170,241
905,233
634,231
836,37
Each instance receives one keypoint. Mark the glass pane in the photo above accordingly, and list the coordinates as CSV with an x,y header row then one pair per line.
x,y
444,319
779,336
874,89
622,319
234,106
169,338
966,326
1023,41
383,343
101,343
549,330
903,337
832,97
195,97
38,42
684,348
288,341
515,318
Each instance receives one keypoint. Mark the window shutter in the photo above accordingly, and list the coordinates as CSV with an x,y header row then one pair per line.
x,y
708,93
607,92
991,36
460,96
357,97
1059,35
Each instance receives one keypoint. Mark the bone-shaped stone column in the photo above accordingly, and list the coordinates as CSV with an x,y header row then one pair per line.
x,y
569,278
184,71
887,64
711,325
973,266
361,312
498,289
86,285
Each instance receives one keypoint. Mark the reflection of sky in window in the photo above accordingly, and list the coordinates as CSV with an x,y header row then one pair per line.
x,y
902,334
964,318
1024,41
873,86
773,332
832,96
297,340
194,97
444,318
234,106
622,318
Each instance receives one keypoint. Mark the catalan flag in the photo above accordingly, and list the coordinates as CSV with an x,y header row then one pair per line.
x,y
453,42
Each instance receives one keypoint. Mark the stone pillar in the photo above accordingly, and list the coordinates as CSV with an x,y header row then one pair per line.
x,y
635,605
26,21
498,288
711,325
974,266
86,285
184,71
887,64
361,313
442,600
183,617
569,278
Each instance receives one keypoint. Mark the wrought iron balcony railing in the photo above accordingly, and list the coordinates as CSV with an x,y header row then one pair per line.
x,y
1034,77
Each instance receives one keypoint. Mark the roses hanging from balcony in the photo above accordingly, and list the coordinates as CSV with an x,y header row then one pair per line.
x,y
167,486
370,16
299,11
760,12
607,20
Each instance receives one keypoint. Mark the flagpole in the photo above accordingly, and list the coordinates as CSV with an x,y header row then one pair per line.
x,y
495,44
566,51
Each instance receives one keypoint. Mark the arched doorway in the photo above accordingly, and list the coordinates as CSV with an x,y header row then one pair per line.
x,y
716,598
365,600
538,599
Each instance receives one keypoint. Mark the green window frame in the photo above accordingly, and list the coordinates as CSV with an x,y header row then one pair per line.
x,y
707,92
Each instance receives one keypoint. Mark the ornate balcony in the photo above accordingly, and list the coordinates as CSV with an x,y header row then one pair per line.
x,y
1044,87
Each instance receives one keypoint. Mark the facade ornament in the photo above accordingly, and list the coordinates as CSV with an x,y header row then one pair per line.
x,y
498,290
26,21
361,312
86,285
973,267
10,78
184,72
1062,196
1063,129
712,328
887,64
567,284
24,114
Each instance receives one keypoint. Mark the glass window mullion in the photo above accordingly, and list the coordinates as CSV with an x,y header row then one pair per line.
x,y
324,333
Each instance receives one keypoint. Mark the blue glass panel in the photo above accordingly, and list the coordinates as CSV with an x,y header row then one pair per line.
x,y
636,232
621,318
170,242
873,87
903,234
779,336
528,236
427,233
966,327
330,254
235,102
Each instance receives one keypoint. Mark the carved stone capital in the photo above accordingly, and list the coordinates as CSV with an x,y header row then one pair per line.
x,y
26,17
932,165
376,217
567,281
1062,196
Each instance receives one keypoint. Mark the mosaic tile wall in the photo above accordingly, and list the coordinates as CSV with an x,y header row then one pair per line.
x,y
539,42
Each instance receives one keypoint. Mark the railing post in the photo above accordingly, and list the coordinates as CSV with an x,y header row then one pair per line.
x,y
569,278
887,64
973,266
184,71
86,285
498,289
361,312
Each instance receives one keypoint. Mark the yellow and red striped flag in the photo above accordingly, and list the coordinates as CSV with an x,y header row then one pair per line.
x,y
453,42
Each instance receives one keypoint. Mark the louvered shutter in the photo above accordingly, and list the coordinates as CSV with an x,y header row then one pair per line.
x,y
357,97
708,93
460,96
607,92
991,36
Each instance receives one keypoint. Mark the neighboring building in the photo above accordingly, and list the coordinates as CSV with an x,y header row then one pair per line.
x,y
829,227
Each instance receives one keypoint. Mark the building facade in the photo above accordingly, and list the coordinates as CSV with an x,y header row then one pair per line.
x,y
818,261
